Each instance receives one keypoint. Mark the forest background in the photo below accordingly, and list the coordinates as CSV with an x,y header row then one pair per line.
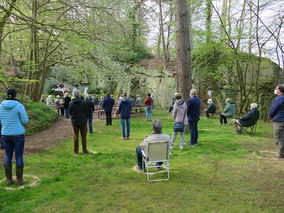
x,y
233,48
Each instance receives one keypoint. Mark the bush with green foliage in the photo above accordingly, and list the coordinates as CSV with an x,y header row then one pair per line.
x,y
40,116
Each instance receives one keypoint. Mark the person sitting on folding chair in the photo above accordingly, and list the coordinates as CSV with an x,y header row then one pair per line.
x,y
211,109
248,120
157,136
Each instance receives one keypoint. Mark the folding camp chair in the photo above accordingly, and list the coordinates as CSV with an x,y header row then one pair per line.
x,y
251,130
157,152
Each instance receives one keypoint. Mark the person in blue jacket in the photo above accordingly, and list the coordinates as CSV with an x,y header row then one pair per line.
x,y
276,113
13,117
193,113
124,109
107,104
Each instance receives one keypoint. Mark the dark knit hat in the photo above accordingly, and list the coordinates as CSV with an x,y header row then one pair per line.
x,y
11,93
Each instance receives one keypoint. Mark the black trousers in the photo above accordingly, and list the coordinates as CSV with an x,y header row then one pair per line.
x,y
108,118
222,117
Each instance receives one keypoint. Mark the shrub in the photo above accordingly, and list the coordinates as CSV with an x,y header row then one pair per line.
x,y
40,117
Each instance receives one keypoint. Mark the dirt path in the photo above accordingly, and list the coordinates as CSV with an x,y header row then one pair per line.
x,y
58,132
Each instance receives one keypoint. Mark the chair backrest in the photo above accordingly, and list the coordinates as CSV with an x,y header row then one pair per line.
x,y
158,151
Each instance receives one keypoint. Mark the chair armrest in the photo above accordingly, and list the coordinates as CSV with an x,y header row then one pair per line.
x,y
143,153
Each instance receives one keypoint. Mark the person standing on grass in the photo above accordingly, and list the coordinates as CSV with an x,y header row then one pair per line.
x,y
179,115
79,112
108,103
148,107
91,109
124,109
13,117
157,136
193,113
276,113
66,101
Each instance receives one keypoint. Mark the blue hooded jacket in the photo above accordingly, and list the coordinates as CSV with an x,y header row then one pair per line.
x,y
124,108
13,117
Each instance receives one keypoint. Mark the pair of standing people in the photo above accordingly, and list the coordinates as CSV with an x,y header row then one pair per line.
x,y
186,113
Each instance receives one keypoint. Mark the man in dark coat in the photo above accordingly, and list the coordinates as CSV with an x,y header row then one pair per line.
x,y
107,104
276,113
193,113
124,109
79,112
248,120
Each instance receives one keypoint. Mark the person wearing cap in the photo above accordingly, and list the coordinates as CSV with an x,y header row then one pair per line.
x,y
13,117
211,108
276,113
156,136
79,113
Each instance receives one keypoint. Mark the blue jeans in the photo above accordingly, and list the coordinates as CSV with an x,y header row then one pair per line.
x,y
12,143
66,110
90,119
139,156
193,131
148,112
174,139
122,120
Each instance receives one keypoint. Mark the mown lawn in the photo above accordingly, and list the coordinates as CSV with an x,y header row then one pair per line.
x,y
221,174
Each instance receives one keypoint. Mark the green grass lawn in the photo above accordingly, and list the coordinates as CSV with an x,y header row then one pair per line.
x,y
221,174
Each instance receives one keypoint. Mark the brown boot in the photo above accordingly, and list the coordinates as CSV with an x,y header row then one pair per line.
x,y
19,174
8,173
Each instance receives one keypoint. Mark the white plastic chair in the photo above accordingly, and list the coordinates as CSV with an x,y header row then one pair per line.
x,y
157,152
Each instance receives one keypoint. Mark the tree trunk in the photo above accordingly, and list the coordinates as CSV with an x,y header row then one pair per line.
x,y
208,20
162,34
184,81
3,22
250,26
191,45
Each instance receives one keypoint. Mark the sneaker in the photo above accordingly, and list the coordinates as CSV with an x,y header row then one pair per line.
x,y
127,138
122,138
192,144
220,124
172,146
137,169
181,147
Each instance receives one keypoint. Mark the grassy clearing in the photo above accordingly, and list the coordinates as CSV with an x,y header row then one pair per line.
x,y
221,174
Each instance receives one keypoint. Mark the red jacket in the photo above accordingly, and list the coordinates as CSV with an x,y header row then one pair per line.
x,y
148,101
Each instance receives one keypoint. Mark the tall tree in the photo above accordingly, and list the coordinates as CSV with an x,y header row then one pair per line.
x,y
4,18
208,20
184,81
162,34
